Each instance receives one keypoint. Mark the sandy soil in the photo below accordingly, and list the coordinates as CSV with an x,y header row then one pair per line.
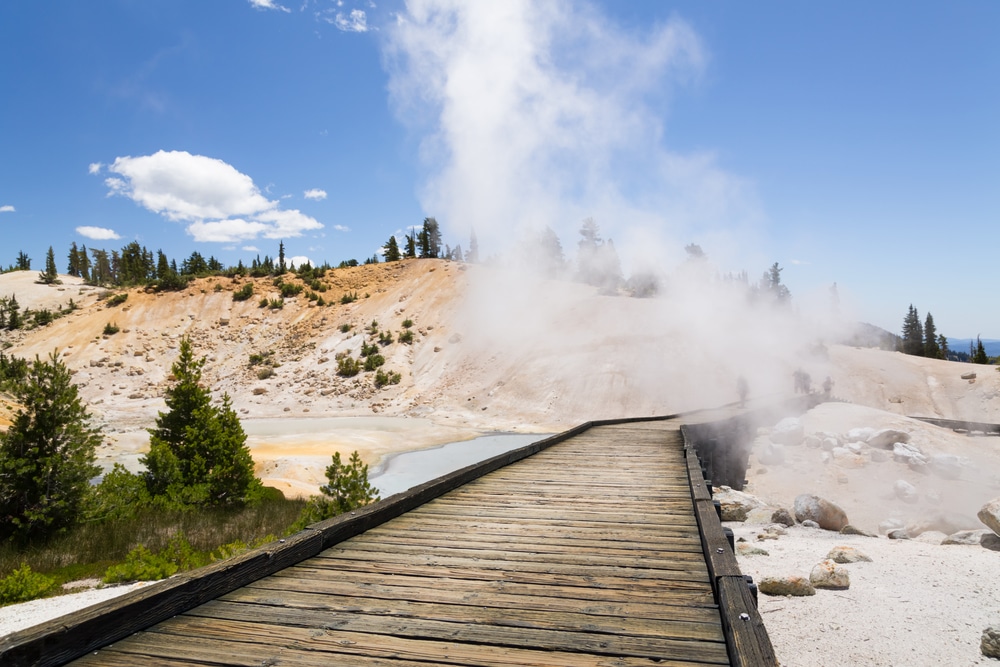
x,y
483,361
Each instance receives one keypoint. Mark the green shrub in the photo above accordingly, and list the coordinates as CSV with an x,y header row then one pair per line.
x,y
117,299
140,565
406,337
407,323
344,328
347,488
290,289
367,350
22,585
111,329
243,293
120,495
373,361
217,288
349,297
385,338
320,301
276,304
265,372
382,378
348,366
263,302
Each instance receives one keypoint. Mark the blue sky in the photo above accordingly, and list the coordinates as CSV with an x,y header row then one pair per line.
x,y
851,142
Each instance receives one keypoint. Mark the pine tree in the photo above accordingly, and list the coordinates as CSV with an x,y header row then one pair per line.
x,y
73,267
282,268
46,456
23,262
913,334
979,357
347,488
50,276
391,248
932,349
411,244
198,452
13,313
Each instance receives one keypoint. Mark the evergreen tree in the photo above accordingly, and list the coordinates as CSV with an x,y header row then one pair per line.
x,y
83,261
391,250
73,266
282,268
23,262
943,346
50,276
347,488
430,239
932,349
197,452
979,356
47,455
771,284
913,334
411,244
13,313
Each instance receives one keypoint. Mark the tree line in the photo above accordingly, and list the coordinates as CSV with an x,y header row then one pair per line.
x,y
923,340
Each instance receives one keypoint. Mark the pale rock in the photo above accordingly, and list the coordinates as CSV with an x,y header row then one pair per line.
x,y
829,444
965,537
989,645
828,515
735,504
813,441
946,466
989,514
747,549
931,537
905,491
904,453
887,438
862,434
855,447
809,523
942,522
847,554
788,431
878,455
848,458
794,585
828,574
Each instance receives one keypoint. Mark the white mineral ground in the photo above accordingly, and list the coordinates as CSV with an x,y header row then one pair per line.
x,y
916,603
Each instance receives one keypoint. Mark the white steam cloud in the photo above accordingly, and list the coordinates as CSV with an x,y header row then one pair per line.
x,y
540,115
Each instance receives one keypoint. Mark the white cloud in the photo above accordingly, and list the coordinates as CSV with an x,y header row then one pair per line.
x,y
267,4
250,248
285,224
226,231
6,208
342,228
315,193
220,203
355,21
98,233
94,168
185,187
300,260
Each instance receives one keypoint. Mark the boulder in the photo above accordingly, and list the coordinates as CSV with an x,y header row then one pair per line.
x,y
828,515
990,643
791,585
854,530
828,574
788,431
905,491
846,554
782,516
735,504
990,541
862,434
887,438
890,524
904,453
898,534
946,466
965,537
943,522
747,549
990,515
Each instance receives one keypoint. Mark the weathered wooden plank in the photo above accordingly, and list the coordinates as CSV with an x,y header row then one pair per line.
x,y
303,577
699,608
746,637
483,638
721,560
480,614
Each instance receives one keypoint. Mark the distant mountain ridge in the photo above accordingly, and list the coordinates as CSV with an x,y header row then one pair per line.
x,y
991,345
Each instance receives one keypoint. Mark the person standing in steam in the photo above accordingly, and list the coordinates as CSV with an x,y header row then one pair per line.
x,y
742,389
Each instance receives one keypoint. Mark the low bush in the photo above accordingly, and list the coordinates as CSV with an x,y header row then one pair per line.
x,y
344,328
406,337
243,293
373,361
348,366
23,584
111,329
382,378
349,297
117,299
289,290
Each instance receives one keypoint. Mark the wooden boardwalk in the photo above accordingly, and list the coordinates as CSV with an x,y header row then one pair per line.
x,y
588,552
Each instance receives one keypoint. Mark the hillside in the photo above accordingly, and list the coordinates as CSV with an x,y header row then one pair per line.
x,y
490,353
